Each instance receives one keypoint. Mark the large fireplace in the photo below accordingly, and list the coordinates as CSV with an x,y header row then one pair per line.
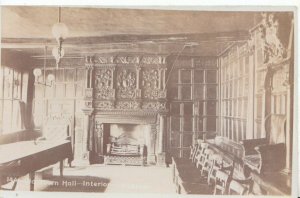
x,y
125,101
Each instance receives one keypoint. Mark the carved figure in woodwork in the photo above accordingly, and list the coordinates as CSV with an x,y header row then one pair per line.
x,y
126,82
273,48
103,78
103,84
151,83
150,78
99,129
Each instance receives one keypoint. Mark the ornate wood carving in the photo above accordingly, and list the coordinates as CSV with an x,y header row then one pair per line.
x,y
280,79
131,59
153,60
154,94
104,104
128,105
156,106
150,83
99,128
104,84
274,51
126,82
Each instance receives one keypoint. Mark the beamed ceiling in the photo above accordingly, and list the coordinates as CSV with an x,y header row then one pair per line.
x,y
107,30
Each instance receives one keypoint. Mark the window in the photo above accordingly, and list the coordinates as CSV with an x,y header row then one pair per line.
x,y
13,86
234,92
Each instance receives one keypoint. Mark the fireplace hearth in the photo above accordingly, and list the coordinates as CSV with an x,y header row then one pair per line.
x,y
127,144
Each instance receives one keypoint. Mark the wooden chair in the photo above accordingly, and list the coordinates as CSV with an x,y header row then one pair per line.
x,y
197,154
217,165
208,161
200,155
240,187
199,150
221,182
193,151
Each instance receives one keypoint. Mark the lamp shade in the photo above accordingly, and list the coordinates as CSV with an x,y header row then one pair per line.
x,y
51,77
60,30
37,72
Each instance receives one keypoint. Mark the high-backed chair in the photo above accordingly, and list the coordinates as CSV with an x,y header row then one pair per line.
x,y
198,150
216,165
221,182
267,154
193,151
208,161
201,155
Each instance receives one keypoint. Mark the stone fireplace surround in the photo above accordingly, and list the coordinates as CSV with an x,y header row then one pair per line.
x,y
153,144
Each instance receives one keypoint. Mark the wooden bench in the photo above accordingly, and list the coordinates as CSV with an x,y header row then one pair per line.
x,y
267,154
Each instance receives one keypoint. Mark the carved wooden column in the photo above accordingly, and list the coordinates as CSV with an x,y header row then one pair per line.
x,y
87,110
161,153
151,157
86,127
99,131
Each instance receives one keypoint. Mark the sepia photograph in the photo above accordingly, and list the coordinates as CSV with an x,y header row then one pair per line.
x,y
143,100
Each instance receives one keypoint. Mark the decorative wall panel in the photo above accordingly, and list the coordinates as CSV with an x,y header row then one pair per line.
x,y
126,83
104,84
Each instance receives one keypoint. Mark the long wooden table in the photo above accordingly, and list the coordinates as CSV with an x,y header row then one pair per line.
x,y
21,158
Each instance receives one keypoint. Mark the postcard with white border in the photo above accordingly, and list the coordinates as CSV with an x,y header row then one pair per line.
x,y
108,100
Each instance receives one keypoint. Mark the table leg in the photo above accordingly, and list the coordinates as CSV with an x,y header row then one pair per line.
x,y
31,177
61,167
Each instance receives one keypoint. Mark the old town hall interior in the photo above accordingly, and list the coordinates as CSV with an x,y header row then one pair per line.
x,y
165,101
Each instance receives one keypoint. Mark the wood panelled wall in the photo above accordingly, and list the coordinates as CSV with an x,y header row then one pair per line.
x,y
193,98
64,97
255,78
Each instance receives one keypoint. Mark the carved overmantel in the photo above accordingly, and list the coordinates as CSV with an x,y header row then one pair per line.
x,y
127,89
132,83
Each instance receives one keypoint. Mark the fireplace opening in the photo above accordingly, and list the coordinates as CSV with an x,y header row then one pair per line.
x,y
133,133
126,143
